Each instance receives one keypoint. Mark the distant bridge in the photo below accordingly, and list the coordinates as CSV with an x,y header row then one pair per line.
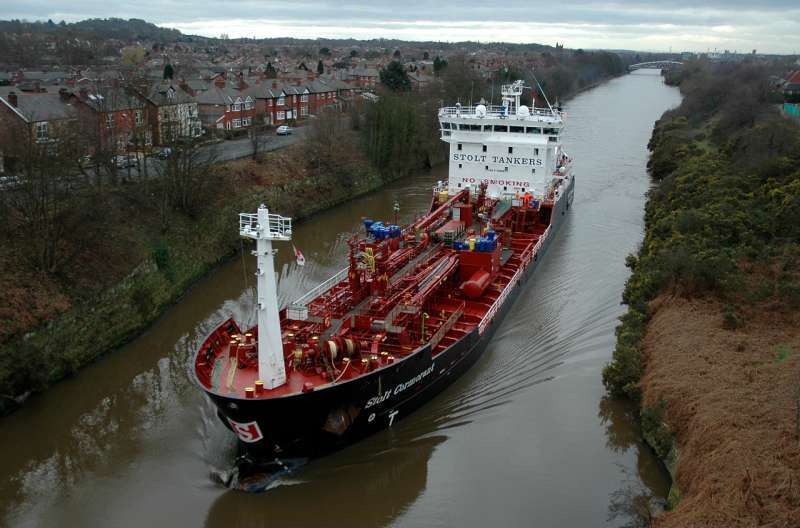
x,y
660,65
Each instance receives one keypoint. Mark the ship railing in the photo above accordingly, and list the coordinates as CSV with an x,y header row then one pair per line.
x,y
525,258
278,227
319,289
495,111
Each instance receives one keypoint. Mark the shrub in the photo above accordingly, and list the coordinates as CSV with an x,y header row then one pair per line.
x,y
163,260
729,319
655,430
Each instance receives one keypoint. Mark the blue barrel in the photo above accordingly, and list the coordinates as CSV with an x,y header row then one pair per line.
x,y
368,223
491,235
375,228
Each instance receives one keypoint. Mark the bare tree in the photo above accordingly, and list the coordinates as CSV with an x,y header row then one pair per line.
x,y
186,178
258,134
40,205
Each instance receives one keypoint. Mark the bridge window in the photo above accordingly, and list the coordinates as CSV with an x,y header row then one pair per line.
x,y
517,129
501,128
533,130
459,146
446,125
475,128
463,127
484,148
510,150
551,131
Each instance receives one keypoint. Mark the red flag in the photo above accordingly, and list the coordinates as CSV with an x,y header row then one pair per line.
x,y
301,260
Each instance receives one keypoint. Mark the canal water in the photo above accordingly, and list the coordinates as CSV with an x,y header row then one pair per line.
x,y
526,438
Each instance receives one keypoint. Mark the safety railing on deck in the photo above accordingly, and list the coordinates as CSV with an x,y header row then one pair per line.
x,y
495,111
525,257
321,288
278,227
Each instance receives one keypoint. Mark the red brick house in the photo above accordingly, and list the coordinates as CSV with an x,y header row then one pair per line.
x,y
364,77
227,106
114,119
791,87
282,102
321,95
39,118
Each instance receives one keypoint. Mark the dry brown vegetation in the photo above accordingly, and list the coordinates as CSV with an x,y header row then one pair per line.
x,y
732,405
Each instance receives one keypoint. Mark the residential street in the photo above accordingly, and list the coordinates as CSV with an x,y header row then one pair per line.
x,y
225,151
234,149
243,147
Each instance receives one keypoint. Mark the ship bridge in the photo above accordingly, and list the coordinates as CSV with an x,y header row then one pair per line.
x,y
515,149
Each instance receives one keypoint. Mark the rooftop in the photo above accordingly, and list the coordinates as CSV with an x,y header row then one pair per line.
x,y
41,107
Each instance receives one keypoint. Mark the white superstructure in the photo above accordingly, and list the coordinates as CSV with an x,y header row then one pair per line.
x,y
513,148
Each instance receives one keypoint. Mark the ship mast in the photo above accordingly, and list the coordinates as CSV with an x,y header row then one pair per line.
x,y
511,95
264,227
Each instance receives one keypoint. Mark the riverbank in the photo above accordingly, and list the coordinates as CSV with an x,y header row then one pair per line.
x,y
710,342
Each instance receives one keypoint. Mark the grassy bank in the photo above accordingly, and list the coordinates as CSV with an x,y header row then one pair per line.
x,y
720,261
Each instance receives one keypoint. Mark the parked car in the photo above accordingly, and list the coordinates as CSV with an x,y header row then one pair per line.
x,y
164,153
9,182
126,160
284,130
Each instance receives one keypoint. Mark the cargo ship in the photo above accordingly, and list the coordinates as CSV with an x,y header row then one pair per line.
x,y
416,304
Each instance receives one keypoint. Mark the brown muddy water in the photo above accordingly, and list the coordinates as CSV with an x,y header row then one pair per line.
x,y
526,438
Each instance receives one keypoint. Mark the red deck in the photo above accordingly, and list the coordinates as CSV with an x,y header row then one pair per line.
x,y
400,293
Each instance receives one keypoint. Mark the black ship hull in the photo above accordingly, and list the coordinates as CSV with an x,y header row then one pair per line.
x,y
318,422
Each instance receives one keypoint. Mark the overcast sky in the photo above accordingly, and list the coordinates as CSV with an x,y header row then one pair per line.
x,y
770,26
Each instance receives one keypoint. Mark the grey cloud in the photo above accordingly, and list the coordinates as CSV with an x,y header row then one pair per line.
x,y
755,22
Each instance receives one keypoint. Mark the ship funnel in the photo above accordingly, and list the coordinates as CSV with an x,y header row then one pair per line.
x,y
264,227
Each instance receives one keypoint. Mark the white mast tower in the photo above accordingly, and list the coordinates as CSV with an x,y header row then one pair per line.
x,y
264,227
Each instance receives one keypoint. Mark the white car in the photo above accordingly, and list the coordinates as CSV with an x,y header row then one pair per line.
x,y
284,130
9,182
125,161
